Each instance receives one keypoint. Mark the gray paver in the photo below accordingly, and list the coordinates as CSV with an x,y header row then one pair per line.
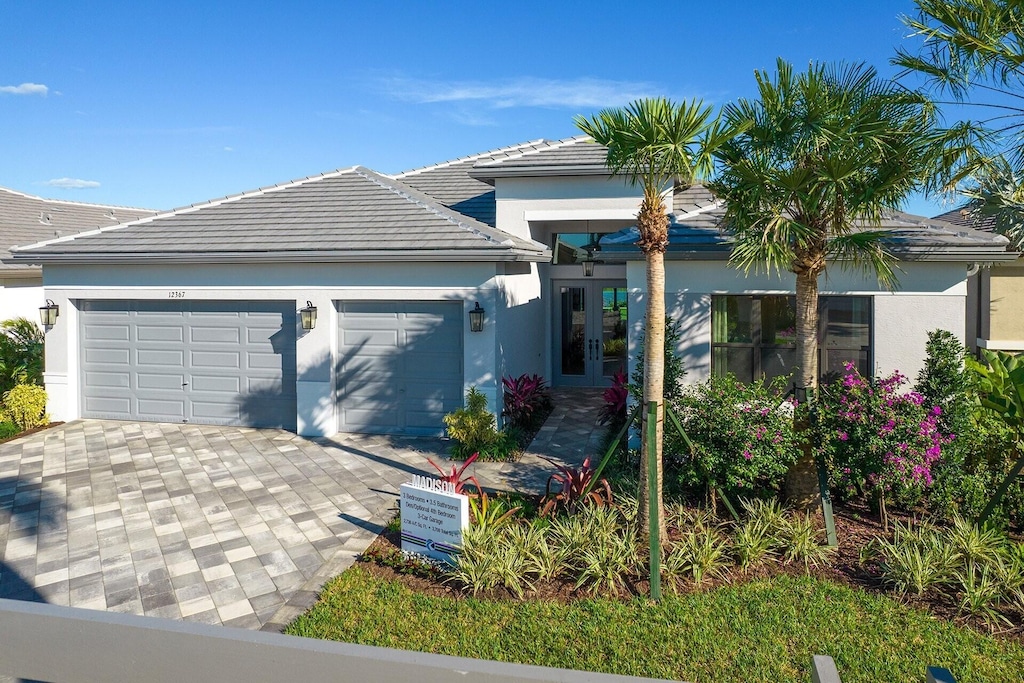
x,y
221,525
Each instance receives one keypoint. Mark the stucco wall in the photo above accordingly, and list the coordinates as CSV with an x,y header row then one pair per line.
x,y
930,296
503,296
21,298
1006,322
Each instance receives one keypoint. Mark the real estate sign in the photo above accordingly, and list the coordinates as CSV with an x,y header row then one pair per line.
x,y
433,517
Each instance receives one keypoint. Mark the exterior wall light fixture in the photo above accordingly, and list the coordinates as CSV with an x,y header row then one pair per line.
x,y
308,316
48,314
476,319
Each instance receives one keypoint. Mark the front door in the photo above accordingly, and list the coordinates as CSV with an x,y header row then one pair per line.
x,y
589,331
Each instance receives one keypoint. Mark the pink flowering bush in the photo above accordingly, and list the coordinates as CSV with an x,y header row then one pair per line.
x,y
742,435
878,440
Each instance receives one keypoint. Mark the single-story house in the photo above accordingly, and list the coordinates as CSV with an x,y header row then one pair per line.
x,y
26,218
995,293
431,281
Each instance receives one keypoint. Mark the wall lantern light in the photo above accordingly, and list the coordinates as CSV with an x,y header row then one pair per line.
x,y
588,268
308,316
48,313
476,319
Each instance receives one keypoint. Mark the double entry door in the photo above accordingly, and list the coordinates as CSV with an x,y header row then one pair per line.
x,y
589,331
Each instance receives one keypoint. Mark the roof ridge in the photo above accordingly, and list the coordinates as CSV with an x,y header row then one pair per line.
x,y
424,200
192,207
564,142
460,160
74,203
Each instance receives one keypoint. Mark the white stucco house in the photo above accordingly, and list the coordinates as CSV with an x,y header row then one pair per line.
x,y
24,219
197,314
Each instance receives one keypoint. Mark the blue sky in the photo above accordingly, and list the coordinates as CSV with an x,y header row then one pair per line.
x,y
160,105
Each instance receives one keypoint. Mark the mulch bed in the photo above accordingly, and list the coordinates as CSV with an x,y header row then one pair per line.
x,y
856,526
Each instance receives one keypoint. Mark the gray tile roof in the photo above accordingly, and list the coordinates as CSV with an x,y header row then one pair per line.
x,y
963,217
25,219
572,156
450,183
345,215
696,233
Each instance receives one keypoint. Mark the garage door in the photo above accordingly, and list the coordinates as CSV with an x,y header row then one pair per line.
x,y
206,362
399,367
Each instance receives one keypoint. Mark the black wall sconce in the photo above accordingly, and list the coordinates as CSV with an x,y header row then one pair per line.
x,y
476,319
308,316
48,313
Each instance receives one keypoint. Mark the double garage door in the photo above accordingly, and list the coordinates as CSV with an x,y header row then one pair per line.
x,y
206,362
398,368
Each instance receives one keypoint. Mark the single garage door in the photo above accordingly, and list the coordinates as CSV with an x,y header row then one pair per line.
x,y
399,367
206,362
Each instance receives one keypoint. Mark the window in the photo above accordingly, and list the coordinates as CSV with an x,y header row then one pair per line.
x,y
571,247
755,336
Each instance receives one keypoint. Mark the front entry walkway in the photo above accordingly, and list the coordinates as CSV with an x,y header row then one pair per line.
x,y
220,525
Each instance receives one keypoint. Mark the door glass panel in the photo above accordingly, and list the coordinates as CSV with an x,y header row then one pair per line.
x,y
613,330
573,330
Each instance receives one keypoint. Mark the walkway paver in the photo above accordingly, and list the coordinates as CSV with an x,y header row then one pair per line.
x,y
221,525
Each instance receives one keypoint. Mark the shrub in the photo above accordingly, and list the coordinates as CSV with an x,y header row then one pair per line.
x,y
742,442
917,560
700,553
9,429
614,409
876,440
21,353
675,370
802,542
473,430
527,399
25,405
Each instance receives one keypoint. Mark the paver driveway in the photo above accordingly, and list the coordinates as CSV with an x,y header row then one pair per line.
x,y
221,525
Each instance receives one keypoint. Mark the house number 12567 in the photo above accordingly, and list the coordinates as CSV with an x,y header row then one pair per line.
x,y
175,295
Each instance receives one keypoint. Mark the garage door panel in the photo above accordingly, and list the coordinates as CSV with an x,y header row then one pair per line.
x,y
402,365
108,332
216,359
192,361
169,382
152,333
216,335
109,379
160,358
160,409
107,355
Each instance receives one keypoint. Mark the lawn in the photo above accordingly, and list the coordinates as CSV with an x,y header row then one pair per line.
x,y
765,630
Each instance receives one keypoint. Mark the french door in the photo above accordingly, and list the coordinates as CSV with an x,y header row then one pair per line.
x,y
590,343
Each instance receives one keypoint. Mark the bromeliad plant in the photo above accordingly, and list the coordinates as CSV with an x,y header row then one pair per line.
x,y
615,397
575,487
454,476
876,440
527,398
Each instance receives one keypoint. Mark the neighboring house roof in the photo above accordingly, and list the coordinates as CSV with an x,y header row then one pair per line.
x,y
25,218
964,217
346,215
451,184
695,233
572,156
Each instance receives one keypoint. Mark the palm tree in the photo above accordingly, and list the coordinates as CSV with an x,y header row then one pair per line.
x,y
825,154
655,143
973,52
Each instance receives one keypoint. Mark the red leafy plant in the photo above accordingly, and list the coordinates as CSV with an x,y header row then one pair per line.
x,y
575,487
455,477
526,397
615,396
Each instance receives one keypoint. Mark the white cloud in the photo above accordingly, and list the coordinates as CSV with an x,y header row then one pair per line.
x,y
229,149
25,89
72,183
580,93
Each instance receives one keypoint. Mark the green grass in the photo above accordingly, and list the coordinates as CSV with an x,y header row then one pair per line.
x,y
760,631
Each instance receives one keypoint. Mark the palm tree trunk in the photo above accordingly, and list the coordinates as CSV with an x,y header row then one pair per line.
x,y
802,479
654,389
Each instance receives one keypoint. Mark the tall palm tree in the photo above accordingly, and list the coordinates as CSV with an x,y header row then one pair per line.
x,y
973,52
655,143
825,154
